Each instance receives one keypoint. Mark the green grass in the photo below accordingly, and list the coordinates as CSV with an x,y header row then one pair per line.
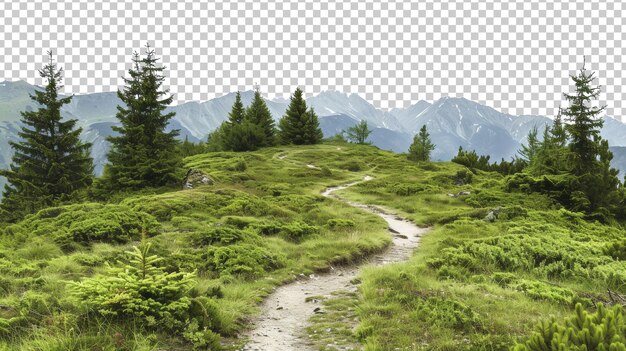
x,y
472,284
476,285
269,207
333,329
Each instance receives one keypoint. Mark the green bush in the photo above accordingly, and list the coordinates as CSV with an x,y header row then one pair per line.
x,y
89,222
239,221
603,330
448,313
542,291
239,165
139,290
512,212
463,176
205,311
245,260
218,235
405,189
616,249
340,223
297,231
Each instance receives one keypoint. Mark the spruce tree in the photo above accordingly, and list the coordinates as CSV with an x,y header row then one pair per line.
x,y
143,154
558,132
313,132
259,115
528,151
247,129
238,112
421,147
299,125
591,162
50,161
585,123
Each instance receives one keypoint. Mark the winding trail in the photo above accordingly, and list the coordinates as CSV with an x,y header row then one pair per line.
x,y
285,312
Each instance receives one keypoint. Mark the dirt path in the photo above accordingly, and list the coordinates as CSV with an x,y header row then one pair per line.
x,y
285,312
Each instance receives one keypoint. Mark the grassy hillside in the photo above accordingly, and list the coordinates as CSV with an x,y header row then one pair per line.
x,y
221,248
261,224
475,284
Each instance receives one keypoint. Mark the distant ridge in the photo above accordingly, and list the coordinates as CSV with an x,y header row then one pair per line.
x,y
451,121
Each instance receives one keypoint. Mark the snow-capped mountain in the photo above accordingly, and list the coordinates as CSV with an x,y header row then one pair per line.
x,y
330,103
452,122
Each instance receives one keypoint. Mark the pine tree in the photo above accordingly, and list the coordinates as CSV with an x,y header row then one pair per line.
x,y
578,174
141,290
313,132
529,150
246,129
143,154
258,114
558,132
585,125
238,112
359,133
422,146
188,148
591,162
50,162
299,125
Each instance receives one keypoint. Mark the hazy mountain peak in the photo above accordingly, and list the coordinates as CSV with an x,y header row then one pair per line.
x,y
335,93
16,83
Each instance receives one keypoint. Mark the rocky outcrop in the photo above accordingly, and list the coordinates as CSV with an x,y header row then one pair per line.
x,y
195,178
493,214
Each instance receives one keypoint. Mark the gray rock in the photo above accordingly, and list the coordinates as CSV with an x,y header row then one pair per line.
x,y
493,214
196,177
490,217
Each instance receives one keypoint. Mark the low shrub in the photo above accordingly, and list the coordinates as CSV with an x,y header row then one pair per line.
x,y
245,260
297,231
217,236
448,313
90,222
603,330
340,223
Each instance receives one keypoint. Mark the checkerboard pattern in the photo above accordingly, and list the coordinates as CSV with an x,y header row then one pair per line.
x,y
515,56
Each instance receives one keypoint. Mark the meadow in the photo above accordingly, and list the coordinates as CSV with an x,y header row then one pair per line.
x,y
186,269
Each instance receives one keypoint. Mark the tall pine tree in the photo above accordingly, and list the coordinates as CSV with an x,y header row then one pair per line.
x,y
50,161
259,115
591,165
143,153
585,123
299,126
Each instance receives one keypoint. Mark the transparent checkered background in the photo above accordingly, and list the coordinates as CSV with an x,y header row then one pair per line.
x,y
514,56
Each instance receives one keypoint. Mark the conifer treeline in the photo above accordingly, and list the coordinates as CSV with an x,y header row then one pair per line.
x,y
248,129
571,163
52,165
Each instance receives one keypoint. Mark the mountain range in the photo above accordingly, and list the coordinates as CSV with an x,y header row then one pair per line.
x,y
451,122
